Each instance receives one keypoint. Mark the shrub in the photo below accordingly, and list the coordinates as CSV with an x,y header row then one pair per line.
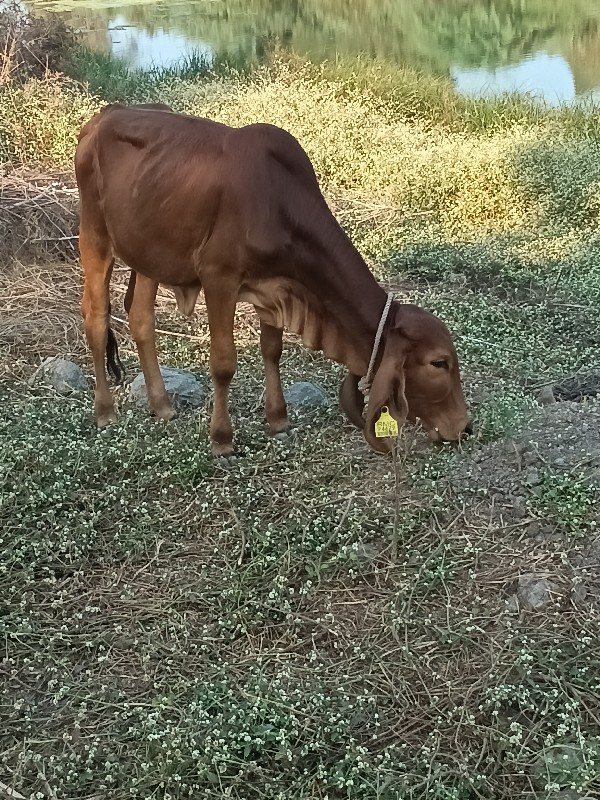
x,y
40,121
30,45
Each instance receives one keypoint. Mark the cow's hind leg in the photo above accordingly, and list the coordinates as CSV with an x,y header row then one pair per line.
x,y
97,262
271,345
139,305
221,300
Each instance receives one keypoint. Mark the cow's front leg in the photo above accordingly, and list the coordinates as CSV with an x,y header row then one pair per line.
x,y
220,306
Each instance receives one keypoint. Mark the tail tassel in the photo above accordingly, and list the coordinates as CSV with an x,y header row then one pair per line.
x,y
114,365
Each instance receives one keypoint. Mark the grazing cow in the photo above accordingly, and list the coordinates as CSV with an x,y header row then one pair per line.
x,y
193,204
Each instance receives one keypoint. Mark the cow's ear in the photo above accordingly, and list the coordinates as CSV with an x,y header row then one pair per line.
x,y
352,401
387,392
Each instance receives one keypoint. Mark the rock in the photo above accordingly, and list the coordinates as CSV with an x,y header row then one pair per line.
x,y
510,446
183,387
367,551
533,477
458,278
594,548
64,376
546,396
512,604
519,507
530,458
545,532
535,592
305,394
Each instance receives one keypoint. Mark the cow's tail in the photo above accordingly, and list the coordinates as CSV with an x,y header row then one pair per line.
x,y
114,365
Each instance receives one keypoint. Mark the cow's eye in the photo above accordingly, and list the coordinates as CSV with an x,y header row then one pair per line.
x,y
441,364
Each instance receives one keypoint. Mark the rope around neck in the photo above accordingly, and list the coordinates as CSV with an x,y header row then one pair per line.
x,y
365,382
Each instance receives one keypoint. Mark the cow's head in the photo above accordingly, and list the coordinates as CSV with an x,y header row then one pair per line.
x,y
417,377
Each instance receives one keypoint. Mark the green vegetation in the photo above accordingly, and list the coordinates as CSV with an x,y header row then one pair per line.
x,y
298,627
114,81
569,500
431,35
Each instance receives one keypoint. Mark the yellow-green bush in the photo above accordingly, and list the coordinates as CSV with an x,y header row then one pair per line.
x,y
518,177
564,175
40,120
357,150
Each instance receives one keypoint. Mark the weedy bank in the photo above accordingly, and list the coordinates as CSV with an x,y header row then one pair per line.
x,y
317,622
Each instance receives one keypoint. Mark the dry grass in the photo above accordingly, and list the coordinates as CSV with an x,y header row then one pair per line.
x,y
31,46
40,316
175,609
38,215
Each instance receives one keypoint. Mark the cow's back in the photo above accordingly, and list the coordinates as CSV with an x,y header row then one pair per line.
x,y
174,189
152,180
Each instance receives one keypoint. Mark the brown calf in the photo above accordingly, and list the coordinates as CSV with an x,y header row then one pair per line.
x,y
193,204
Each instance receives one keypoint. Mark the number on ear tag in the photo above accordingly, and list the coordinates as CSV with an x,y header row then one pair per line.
x,y
386,425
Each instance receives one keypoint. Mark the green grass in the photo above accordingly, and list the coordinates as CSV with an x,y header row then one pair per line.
x,y
111,78
173,628
296,627
420,96
569,501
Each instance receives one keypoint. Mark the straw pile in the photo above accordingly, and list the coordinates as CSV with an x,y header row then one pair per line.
x,y
38,216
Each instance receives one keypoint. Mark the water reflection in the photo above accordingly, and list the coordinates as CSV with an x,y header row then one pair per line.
x,y
548,47
541,75
142,49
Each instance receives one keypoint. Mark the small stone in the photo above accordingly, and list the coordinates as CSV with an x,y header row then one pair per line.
x,y
183,387
64,376
226,461
535,592
546,396
367,551
594,548
512,604
533,477
305,394
519,507
285,436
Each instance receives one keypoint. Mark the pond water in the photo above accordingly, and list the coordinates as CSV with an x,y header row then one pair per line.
x,y
550,48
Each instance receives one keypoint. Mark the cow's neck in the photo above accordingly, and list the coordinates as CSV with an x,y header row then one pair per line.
x,y
354,303
336,309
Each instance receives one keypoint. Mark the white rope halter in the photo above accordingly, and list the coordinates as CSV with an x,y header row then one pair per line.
x,y
365,382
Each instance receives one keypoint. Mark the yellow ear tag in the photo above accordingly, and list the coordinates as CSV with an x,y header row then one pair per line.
x,y
386,425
